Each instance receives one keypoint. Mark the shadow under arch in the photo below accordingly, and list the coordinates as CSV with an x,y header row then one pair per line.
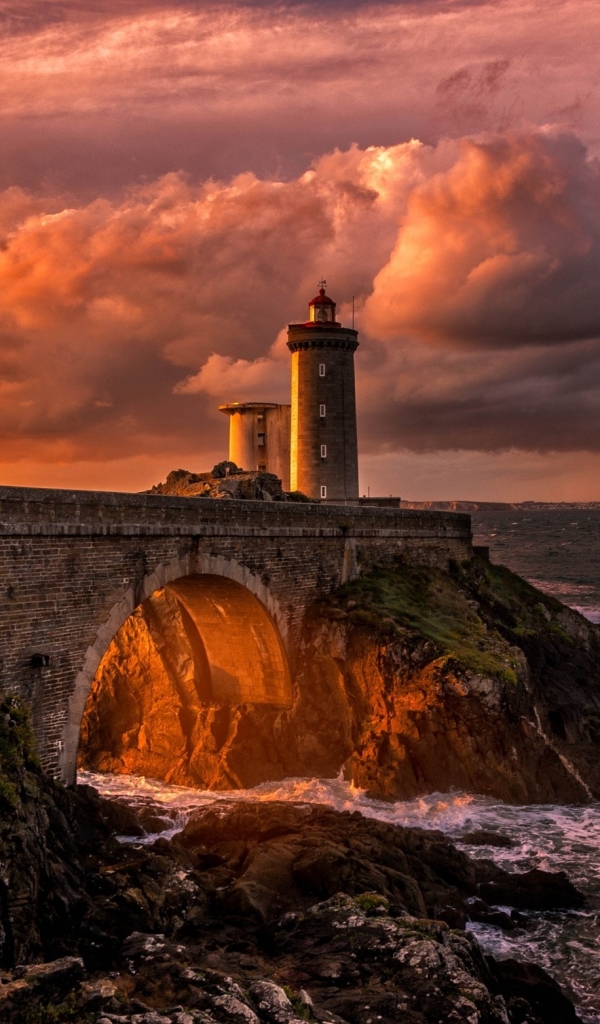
x,y
245,660
240,628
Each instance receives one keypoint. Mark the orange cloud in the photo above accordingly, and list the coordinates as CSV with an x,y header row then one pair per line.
x,y
502,248
124,323
108,308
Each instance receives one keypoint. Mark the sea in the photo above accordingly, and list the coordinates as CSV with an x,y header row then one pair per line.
x,y
558,550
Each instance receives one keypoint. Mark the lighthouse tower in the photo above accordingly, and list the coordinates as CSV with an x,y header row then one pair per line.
x,y
324,451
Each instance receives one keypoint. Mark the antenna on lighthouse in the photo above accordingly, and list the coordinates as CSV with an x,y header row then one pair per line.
x,y
352,312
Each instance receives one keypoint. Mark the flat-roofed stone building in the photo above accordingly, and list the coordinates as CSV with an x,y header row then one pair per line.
x,y
259,437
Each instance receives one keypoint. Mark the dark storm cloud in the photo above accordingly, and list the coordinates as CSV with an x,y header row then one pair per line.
x,y
542,400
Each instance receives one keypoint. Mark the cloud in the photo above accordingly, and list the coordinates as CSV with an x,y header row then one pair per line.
x,y
96,95
125,323
240,380
482,328
110,310
477,81
501,249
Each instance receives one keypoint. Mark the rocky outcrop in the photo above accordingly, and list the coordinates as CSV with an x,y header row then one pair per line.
x,y
226,481
477,682
256,913
410,678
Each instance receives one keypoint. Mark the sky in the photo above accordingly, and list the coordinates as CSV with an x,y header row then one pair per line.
x,y
175,177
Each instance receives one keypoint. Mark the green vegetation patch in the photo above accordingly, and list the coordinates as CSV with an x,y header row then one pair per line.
x,y
18,756
17,742
372,901
515,603
406,601
300,1008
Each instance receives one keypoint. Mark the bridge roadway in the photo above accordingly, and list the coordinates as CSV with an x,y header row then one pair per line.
x,y
75,564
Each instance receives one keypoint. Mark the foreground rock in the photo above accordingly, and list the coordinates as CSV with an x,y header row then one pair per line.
x,y
282,857
413,679
256,913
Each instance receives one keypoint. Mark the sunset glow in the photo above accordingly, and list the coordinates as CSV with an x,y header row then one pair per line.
x,y
176,177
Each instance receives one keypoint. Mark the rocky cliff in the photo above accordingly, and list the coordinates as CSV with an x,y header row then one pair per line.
x,y
411,678
254,914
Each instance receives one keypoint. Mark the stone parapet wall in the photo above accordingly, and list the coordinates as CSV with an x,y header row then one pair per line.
x,y
28,505
75,564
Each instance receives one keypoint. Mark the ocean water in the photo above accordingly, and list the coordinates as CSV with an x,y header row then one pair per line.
x,y
559,552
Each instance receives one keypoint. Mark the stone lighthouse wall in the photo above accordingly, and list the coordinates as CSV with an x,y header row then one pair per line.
x,y
324,450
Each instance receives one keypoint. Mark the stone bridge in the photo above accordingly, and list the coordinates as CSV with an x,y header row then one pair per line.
x,y
74,565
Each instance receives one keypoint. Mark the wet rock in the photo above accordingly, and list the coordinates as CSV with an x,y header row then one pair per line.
x,y
403,968
479,911
50,840
532,890
36,986
230,1008
153,822
346,932
97,993
285,857
529,988
121,819
483,838
273,1003
58,973
141,945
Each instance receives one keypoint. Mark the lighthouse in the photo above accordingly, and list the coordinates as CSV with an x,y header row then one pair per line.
x,y
324,449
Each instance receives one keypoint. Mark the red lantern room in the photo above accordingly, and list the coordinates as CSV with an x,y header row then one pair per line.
x,y
321,309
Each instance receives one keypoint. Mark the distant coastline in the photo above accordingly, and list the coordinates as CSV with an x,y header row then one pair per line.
x,y
498,506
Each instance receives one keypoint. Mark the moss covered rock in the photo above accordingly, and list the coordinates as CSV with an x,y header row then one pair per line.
x,y
467,679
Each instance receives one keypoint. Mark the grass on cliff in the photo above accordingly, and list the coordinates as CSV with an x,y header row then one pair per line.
x,y
405,601
18,756
514,601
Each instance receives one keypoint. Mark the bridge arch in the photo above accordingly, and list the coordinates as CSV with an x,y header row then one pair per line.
x,y
225,602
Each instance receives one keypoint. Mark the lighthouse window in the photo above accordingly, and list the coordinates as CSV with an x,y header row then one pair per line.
x,y
322,411
323,451
323,491
261,439
321,369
